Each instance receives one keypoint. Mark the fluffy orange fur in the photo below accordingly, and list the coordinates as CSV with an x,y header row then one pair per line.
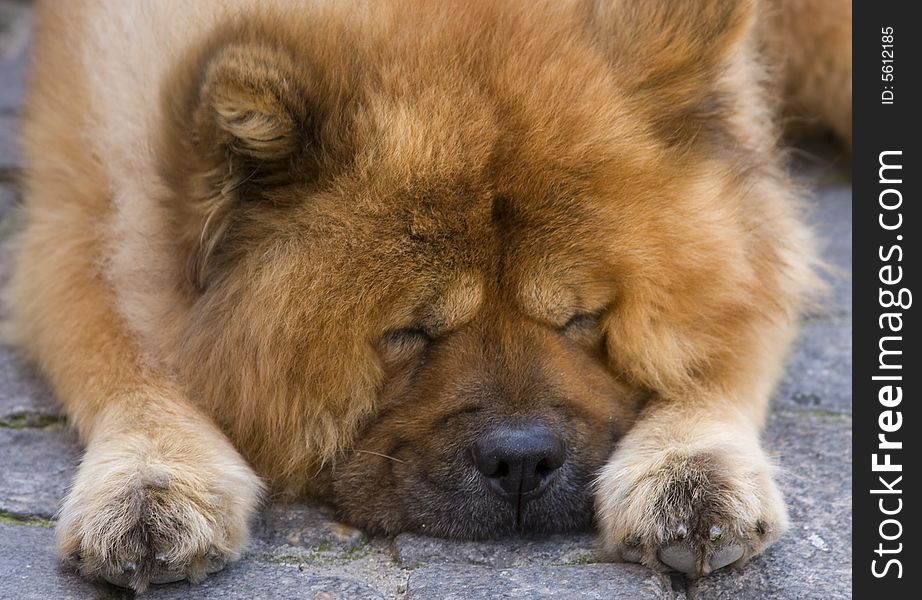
x,y
230,206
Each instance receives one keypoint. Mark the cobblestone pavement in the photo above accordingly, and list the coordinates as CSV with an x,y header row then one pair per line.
x,y
299,551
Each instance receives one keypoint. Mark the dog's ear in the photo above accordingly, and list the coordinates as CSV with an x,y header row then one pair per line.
x,y
252,108
240,124
669,53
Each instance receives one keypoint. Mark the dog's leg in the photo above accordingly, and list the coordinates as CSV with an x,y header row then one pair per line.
x,y
160,494
690,488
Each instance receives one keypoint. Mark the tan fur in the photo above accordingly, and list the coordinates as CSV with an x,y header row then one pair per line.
x,y
228,217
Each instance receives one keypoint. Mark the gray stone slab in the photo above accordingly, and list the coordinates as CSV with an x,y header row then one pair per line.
x,y
818,376
307,536
26,400
29,569
13,66
257,581
15,26
609,582
36,466
830,213
10,222
831,216
412,550
8,197
813,560
10,157
823,170
304,530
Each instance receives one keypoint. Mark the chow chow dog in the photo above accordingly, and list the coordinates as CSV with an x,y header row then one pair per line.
x,y
463,268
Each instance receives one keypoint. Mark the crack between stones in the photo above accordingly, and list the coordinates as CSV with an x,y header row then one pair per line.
x,y
690,589
32,420
8,518
818,413
678,584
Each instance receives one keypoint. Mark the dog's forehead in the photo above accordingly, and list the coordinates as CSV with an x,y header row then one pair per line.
x,y
542,117
497,161
446,163
462,186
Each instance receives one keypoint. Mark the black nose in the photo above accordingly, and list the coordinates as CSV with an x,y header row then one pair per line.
x,y
519,459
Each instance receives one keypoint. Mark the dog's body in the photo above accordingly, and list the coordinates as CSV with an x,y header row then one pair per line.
x,y
345,244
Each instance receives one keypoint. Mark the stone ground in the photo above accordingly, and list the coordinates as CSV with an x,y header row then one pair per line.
x,y
299,551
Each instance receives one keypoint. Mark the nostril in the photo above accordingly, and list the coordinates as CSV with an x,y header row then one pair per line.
x,y
554,456
494,469
518,459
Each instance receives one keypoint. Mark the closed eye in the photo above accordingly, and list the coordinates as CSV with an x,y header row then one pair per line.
x,y
583,322
406,339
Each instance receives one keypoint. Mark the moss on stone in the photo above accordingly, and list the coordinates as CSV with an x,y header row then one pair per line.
x,y
27,420
11,519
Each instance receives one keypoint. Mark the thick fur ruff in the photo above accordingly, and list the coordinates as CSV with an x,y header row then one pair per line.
x,y
327,246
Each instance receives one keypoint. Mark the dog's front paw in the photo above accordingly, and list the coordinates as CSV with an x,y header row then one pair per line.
x,y
693,513
145,510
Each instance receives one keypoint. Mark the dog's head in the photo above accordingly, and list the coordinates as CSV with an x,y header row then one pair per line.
x,y
445,254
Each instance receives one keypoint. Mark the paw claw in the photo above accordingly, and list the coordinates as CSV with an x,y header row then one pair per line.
x,y
715,532
120,580
679,557
72,560
725,556
631,555
681,531
214,561
166,576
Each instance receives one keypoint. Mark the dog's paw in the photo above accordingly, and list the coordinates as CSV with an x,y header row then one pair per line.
x,y
690,513
138,515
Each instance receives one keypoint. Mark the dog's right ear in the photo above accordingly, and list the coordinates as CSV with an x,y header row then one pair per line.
x,y
241,123
252,109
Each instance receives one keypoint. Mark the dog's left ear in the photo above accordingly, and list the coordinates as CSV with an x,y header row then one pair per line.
x,y
669,53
